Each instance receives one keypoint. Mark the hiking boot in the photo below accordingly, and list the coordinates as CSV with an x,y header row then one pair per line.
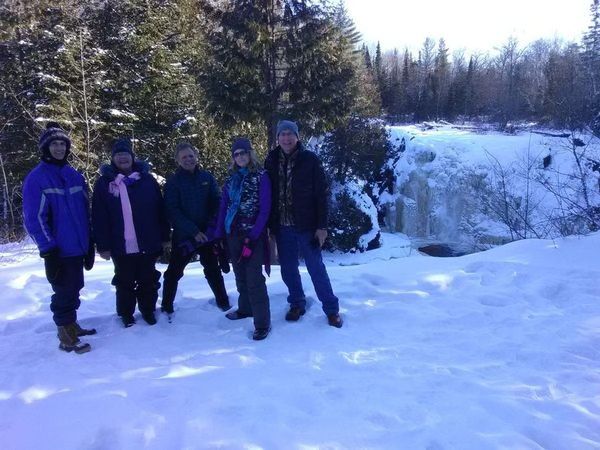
x,y
223,305
149,318
335,320
167,309
82,331
294,314
260,333
128,321
69,342
237,315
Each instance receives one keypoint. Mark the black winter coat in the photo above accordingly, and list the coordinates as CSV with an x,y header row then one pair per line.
x,y
147,206
310,190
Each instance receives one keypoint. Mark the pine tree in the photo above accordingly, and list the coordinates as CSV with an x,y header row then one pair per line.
x,y
367,56
440,78
380,75
270,59
426,98
394,94
468,108
363,87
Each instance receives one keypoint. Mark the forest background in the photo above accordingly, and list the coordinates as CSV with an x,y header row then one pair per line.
x,y
161,71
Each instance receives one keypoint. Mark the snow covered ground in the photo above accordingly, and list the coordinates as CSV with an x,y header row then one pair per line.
x,y
450,180
492,350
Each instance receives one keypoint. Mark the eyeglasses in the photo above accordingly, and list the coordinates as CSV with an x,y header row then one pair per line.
x,y
240,153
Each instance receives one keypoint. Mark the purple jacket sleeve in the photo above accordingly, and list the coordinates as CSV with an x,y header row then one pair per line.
x,y
220,229
36,215
264,207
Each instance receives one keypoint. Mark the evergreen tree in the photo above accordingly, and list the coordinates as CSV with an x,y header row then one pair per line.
x,y
425,101
394,94
363,87
368,61
357,151
408,92
468,108
270,59
440,78
380,75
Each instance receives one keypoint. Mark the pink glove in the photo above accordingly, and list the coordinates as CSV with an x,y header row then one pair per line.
x,y
246,250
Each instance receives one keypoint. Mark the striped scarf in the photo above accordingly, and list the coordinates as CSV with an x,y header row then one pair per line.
x,y
286,164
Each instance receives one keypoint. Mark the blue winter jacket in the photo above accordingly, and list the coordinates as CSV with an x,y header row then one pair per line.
x,y
147,207
192,201
55,209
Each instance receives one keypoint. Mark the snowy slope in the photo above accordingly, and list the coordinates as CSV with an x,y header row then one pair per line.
x,y
492,350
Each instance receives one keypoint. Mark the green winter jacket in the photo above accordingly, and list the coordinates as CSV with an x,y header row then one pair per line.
x,y
192,201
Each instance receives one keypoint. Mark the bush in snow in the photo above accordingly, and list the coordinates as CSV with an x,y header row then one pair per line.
x,y
358,156
350,225
357,151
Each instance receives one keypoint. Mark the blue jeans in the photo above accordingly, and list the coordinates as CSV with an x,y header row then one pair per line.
x,y
291,242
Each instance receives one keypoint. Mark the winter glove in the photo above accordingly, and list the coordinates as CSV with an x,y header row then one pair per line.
x,y
187,247
246,252
222,256
90,257
52,264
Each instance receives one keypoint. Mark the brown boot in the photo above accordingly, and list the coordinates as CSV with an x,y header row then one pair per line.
x,y
83,331
69,341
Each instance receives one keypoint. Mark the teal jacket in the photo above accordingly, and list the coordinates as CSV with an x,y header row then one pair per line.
x,y
192,202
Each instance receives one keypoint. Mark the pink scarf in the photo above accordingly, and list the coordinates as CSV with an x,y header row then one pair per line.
x,y
118,188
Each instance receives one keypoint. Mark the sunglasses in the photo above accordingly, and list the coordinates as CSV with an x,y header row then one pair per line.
x,y
240,153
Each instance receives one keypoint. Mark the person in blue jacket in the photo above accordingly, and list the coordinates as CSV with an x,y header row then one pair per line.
x,y
56,216
131,228
192,201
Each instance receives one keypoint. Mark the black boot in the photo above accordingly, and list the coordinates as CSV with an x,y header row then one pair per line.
x,y
69,342
149,318
236,315
294,314
128,321
260,333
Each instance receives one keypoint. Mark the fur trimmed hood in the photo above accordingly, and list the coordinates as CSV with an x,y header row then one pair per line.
x,y
108,170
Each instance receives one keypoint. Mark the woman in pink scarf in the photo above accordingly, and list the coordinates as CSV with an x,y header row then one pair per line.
x,y
130,227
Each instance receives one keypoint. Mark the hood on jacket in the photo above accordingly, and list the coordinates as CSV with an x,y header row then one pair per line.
x,y
108,170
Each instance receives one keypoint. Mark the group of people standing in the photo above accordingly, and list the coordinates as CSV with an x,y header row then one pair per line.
x,y
132,223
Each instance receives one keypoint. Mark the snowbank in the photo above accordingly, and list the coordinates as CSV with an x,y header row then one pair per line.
x,y
499,349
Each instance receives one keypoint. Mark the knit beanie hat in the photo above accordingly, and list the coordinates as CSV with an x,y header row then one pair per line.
x,y
53,132
241,143
122,145
287,125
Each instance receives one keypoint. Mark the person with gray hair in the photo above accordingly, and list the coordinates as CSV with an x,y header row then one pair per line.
x,y
299,216
192,202
131,228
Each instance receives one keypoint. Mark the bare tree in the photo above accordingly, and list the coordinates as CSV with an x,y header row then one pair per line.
x,y
576,191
